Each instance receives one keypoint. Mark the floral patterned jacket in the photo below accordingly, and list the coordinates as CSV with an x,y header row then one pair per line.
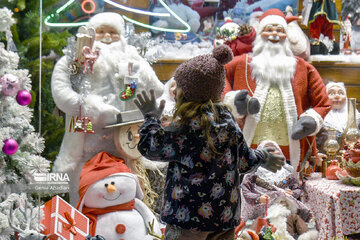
x,y
202,190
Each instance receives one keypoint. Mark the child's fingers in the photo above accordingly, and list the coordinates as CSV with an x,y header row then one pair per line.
x,y
146,97
140,98
162,105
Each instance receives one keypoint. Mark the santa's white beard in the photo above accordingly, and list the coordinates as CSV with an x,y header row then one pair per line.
x,y
272,62
110,56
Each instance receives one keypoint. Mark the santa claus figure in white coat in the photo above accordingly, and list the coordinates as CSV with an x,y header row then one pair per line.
x,y
103,101
110,196
276,96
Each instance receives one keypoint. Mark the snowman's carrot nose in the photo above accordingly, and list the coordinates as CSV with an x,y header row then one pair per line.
x,y
111,188
137,136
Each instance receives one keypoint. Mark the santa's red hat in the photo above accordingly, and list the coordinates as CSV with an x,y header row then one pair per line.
x,y
275,16
103,165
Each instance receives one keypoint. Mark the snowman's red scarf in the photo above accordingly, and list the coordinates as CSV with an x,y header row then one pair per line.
x,y
92,213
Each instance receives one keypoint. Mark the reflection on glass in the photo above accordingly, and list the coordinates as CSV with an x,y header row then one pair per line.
x,y
331,147
352,132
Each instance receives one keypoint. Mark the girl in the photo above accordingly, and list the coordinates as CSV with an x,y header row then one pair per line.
x,y
205,149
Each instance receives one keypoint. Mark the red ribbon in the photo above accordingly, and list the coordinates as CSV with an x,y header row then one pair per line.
x,y
71,226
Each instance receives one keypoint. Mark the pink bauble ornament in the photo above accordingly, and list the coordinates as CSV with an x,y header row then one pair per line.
x,y
10,146
23,97
10,84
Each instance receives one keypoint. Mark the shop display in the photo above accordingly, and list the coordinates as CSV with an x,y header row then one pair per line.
x,y
98,56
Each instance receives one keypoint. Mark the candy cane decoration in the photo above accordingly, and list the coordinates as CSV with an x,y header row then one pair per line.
x,y
90,58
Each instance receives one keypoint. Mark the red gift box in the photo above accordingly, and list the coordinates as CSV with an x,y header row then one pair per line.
x,y
62,221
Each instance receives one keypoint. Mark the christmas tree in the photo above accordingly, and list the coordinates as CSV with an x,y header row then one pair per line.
x,y
21,146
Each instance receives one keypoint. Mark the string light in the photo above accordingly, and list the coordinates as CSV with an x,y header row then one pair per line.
x,y
93,6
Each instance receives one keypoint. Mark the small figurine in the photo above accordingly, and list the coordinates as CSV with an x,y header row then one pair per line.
x,y
90,58
78,125
346,35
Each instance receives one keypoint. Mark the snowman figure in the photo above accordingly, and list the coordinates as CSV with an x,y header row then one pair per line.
x,y
110,196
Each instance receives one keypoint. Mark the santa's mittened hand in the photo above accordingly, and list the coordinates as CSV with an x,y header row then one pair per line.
x,y
148,106
245,104
305,126
273,162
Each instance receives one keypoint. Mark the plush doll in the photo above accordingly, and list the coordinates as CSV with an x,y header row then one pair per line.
x,y
291,95
286,214
289,225
190,16
110,196
104,97
351,9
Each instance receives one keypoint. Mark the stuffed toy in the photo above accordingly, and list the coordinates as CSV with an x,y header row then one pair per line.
x,y
110,196
118,74
190,16
288,225
291,94
351,9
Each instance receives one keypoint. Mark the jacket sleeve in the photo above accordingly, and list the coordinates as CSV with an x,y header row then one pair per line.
x,y
250,159
66,99
156,143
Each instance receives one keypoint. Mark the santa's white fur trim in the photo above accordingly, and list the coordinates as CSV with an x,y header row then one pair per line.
x,y
309,235
229,100
272,19
318,119
251,122
277,215
291,205
108,18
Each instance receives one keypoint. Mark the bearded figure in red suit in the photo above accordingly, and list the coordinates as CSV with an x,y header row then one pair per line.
x,y
275,95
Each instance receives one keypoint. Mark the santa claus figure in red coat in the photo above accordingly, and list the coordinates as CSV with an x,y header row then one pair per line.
x,y
275,95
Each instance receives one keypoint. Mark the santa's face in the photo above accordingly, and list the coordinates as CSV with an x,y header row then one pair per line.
x,y
273,33
107,34
126,141
337,97
111,191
